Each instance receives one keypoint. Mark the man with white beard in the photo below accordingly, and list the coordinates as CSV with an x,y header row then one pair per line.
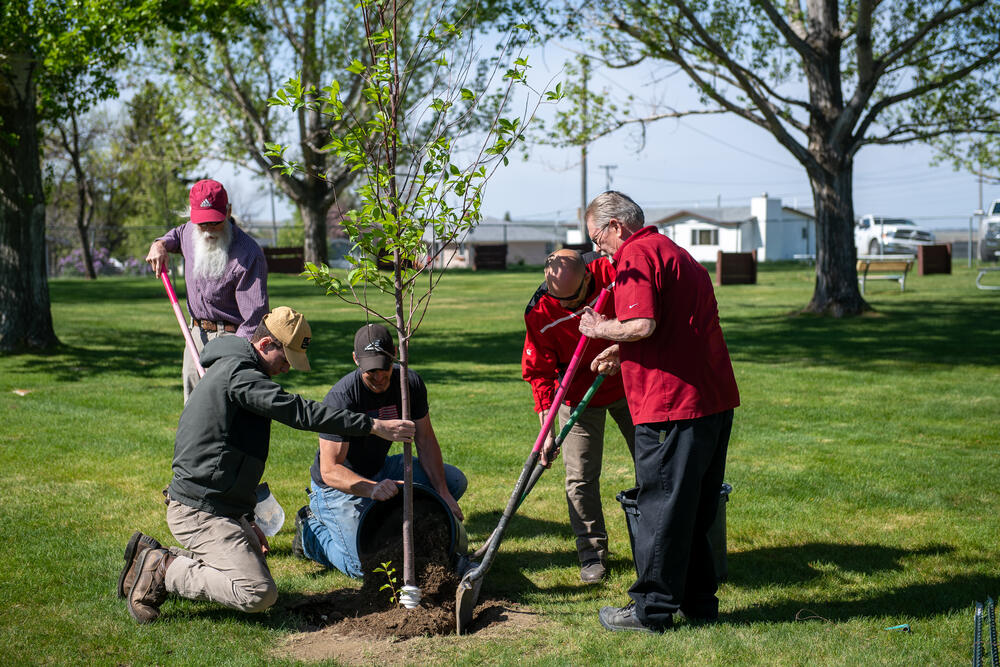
x,y
225,272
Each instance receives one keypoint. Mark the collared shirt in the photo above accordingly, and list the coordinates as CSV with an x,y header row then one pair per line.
x,y
240,296
551,336
682,370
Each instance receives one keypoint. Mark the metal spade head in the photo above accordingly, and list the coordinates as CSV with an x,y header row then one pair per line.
x,y
466,598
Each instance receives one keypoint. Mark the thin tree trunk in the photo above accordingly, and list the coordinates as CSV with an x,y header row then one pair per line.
x,y
25,312
314,231
83,199
836,292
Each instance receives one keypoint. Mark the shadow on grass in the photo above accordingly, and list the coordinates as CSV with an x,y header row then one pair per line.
x,y
796,564
913,601
924,331
800,564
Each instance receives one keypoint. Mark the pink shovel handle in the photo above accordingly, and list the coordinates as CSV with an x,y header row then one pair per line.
x,y
189,341
574,362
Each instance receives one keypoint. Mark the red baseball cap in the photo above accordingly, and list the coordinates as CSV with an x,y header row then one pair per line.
x,y
209,202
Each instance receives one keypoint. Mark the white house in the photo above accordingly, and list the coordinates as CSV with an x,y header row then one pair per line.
x,y
774,231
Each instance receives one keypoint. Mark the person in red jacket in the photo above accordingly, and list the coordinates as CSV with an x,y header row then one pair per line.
x,y
681,390
552,331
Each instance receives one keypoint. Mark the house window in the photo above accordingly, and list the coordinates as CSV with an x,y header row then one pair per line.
x,y
704,237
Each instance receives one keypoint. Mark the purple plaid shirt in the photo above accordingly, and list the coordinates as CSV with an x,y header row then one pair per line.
x,y
240,296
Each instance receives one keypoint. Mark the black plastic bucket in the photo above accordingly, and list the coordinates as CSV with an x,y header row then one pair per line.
x,y
716,533
385,518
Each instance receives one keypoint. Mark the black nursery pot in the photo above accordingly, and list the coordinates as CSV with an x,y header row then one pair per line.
x,y
382,522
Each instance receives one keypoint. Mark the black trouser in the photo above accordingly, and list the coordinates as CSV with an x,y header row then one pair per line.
x,y
679,469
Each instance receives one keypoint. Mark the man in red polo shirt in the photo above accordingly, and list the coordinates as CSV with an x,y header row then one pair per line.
x,y
552,332
681,390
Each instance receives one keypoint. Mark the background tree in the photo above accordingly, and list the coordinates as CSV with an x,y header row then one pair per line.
x,y
230,78
976,154
825,78
73,140
160,151
419,188
53,53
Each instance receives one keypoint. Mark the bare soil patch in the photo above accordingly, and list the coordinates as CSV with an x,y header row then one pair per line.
x,y
352,643
364,625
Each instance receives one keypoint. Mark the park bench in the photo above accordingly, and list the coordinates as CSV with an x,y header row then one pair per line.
x,y
884,267
983,272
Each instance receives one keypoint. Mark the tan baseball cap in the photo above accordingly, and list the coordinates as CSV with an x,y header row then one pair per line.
x,y
293,332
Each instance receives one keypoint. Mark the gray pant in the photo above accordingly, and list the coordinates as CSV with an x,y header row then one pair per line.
x,y
189,372
583,452
222,561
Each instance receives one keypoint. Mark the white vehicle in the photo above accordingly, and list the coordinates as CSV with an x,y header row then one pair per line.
x,y
989,233
889,236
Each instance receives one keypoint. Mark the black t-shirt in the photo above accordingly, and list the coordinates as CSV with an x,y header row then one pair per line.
x,y
366,454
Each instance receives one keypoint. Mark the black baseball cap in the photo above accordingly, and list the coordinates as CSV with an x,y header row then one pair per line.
x,y
373,348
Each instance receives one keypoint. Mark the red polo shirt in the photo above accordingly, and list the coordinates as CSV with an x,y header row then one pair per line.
x,y
551,336
682,370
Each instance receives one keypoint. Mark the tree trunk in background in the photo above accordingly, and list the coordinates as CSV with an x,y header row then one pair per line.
x,y
25,313
315,246
836,292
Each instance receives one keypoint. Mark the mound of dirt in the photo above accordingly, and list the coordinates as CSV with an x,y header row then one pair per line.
x,y
371,611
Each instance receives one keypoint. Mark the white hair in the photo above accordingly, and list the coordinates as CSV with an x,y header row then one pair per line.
x,y
211,251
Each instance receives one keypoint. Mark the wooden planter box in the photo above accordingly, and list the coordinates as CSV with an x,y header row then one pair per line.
x,y
934,259
288,259
736,268
493,257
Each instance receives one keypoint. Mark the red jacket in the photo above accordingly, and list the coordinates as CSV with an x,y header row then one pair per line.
x,y
552,333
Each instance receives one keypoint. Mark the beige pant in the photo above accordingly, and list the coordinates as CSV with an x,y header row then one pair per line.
x,y
222,561
189,372
583,452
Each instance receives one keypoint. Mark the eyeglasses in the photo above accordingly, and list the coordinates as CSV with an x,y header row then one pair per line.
x,y
600,234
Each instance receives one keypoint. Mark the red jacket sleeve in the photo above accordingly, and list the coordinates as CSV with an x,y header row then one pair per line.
x,y
539,366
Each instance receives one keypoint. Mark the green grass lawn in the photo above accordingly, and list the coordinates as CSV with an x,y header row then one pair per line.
x,y
863,463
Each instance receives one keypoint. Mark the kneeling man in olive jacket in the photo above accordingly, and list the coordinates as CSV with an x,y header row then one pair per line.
x,y
219,455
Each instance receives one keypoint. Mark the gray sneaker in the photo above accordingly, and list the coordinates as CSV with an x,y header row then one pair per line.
x,y
624,619
592,572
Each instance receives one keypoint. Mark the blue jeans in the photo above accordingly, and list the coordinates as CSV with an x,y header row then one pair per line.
x,y
330,536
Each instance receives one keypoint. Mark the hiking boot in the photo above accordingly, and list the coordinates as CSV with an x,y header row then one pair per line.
x,y
624,619
300,518
133,550
592,571
149,590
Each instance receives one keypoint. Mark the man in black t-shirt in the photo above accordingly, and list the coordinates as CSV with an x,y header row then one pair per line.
x,y
350,473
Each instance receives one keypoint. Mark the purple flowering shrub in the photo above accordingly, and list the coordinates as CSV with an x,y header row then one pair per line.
x,y
104,264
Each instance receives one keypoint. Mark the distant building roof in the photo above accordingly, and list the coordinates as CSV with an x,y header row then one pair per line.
x,y
726,216
495,230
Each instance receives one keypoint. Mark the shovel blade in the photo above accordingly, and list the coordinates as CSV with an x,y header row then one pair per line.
x,y
466,598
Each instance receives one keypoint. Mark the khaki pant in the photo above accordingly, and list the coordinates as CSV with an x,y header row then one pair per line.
x,y
222,561
583,452
189,373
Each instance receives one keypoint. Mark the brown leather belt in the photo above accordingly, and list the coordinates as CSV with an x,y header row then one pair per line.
x,y
209,325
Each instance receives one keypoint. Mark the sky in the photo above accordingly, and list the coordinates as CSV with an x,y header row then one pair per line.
x,y
696,161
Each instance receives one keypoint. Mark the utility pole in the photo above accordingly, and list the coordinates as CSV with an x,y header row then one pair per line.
x,y
608,168
584,67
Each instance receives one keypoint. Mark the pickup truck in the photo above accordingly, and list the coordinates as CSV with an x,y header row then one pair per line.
x,y
989,233
889,236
